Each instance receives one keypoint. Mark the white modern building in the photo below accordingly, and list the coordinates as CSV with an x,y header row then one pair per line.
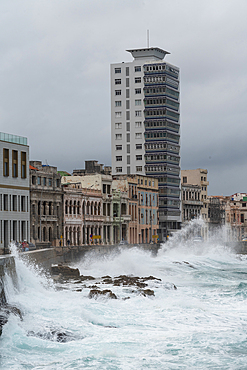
x,y
145,127
14,189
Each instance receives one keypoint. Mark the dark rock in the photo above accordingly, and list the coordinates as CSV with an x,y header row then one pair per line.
x,y
148,292
150,278
107,281
82,278
187,263
65,271
94,293
129,281
54,335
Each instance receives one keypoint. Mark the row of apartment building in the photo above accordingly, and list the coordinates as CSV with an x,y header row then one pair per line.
x,y
49,207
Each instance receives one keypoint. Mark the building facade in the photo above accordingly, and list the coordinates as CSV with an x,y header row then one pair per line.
x,y
145,127
198,177
191,202
139,199
46,205
14,190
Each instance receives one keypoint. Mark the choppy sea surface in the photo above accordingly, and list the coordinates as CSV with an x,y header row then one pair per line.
x,y
200,325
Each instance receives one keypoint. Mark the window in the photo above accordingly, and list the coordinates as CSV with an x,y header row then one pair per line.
x,y
58,183
127,71
118,81
127,82
127,126
117,92
118,103
14,163
138,146
23,165
5,162
138,168
118,125
127,93
33,180
50,182
138,80
138,91
138,157
127,104
138,102
185,180
138,113
23,208
118,158
104,188
14,201
138,124
5,202
118,169
44,181
117,70
39,180
118,147
128,115
138,68
118,114
128,138
118,136
138,135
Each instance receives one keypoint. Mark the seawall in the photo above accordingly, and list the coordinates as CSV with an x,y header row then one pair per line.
x,y
44,258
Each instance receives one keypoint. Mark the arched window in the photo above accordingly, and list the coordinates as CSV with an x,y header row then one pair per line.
x,y
50,208
44,234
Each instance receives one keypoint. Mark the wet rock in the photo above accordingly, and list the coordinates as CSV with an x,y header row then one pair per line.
x,y
54,335
107,280
83,278
147,292
150,278
95,293
129,281
187,263
3,321
65,271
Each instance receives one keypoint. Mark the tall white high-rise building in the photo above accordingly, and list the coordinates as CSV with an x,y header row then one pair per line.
x,y
145,127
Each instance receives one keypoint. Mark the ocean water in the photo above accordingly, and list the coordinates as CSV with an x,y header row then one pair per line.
x,y
200,325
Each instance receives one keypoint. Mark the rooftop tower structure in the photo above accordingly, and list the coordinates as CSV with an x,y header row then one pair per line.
x,y
145,127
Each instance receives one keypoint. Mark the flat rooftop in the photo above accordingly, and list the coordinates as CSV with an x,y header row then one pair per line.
x,y
13,138
148,53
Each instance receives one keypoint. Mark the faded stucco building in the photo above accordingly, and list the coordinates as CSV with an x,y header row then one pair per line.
x,y
141,196
191,202
14,190
46,204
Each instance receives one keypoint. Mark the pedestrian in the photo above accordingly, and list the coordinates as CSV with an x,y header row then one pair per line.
x,y
68,242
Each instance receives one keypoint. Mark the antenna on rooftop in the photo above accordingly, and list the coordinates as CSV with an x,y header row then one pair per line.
x,y
148,38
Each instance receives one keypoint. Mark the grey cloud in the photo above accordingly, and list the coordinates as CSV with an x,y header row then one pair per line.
x,y
55,88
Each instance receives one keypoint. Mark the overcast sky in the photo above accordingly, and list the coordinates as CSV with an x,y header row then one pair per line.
x,y
55,88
